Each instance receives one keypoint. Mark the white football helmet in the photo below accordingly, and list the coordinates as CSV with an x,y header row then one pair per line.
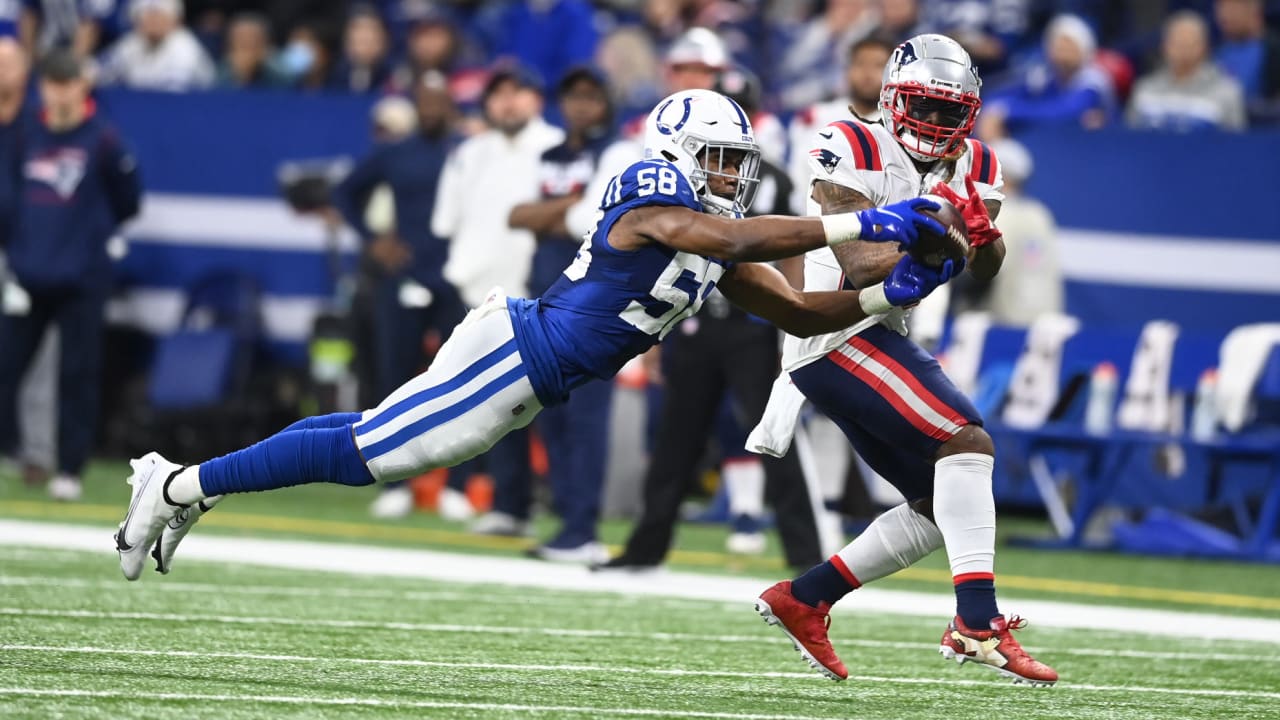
x,y
929,96
698,130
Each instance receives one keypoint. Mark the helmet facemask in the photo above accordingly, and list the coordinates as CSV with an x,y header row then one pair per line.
x,y
930,122
719,155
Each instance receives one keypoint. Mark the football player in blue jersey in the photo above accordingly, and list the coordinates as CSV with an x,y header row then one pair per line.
x,y
669,229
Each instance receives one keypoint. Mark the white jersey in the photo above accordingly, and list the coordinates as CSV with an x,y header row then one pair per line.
x,y
865,157
800,138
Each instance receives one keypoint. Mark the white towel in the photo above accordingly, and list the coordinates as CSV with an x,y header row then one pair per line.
x,y
1240,362
777,427
1035,387
1146,393
964,354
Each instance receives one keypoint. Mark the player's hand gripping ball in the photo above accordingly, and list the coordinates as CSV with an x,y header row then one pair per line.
x,y
933,249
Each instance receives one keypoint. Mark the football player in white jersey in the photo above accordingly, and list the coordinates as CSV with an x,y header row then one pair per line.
x,y
889,396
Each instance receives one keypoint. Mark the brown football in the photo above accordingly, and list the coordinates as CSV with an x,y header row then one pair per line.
x,y
933,249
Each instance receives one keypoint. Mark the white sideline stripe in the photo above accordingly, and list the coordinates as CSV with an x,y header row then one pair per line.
x,y
374,702
158,311
245,222
518,572
1194,263
480,598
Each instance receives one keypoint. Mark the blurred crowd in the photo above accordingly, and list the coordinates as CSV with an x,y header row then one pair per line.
x,y
1151,63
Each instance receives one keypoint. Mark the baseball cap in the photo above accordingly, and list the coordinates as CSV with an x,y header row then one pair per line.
x,y
61,65
522,76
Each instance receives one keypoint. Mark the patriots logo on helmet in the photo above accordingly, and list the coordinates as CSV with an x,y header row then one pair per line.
x,y
906,54
827,159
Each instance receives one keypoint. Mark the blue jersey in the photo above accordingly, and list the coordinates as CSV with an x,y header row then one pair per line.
x,y
610,305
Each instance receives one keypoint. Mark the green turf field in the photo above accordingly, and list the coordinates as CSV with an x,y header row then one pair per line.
x,y
223,641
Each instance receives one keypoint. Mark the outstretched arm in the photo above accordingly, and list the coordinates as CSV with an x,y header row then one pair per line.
x,y
769,237
763,291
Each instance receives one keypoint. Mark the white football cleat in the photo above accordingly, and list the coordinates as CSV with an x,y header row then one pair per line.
x,y
745,543
65,488
454,505
148,511
393,502
499,523
176,529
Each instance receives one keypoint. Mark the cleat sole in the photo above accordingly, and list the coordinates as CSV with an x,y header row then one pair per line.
x,y
766,612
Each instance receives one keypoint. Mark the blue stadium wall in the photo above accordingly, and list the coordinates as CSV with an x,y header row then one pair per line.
x,y
1171,226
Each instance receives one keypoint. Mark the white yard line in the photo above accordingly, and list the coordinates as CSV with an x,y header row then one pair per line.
x,y
505,599
614,670
450,567
395,704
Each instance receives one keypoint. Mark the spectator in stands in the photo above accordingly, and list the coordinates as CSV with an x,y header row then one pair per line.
x,y
82,25
899,20
159,53
1189,92
1030,283
411,297
1069,89
548,37
247,63
364,66
1249,51
306,57
811,65
860,97
432,43
484,179
78,184
576,434
991,30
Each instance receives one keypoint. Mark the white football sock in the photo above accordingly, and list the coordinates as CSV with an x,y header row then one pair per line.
x,y
965,511
185,488
893,541
744,481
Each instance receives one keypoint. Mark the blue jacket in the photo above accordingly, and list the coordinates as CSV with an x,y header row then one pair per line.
x,y
412,168
75,188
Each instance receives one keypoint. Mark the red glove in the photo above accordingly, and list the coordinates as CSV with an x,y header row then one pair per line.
x,y
976,220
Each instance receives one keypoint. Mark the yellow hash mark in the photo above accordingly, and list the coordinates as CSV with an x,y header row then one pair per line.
x,y
451,538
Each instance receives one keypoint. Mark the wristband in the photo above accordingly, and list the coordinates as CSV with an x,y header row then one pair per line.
x,y
842,227
873,300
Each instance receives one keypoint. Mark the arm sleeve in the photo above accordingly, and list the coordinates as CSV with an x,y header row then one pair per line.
x,y
120,178
352,194
581,216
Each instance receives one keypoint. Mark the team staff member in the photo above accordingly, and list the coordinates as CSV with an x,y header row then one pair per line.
x,y
576,433
76,184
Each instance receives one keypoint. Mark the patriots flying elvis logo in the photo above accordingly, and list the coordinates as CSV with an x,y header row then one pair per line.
x,y
827,159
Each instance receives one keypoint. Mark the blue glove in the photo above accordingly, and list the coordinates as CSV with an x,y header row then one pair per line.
x,y
910,282
898,222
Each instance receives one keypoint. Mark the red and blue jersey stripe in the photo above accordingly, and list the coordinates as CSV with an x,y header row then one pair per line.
x,y
983,166
866,151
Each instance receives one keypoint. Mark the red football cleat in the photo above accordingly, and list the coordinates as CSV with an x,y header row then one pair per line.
x,y
805,625
997,649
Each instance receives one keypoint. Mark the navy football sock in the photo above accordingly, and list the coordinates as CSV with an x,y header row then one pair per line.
x,y
976,602
823,583
285,459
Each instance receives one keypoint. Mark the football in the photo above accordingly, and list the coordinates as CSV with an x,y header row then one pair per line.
x,y
933,249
